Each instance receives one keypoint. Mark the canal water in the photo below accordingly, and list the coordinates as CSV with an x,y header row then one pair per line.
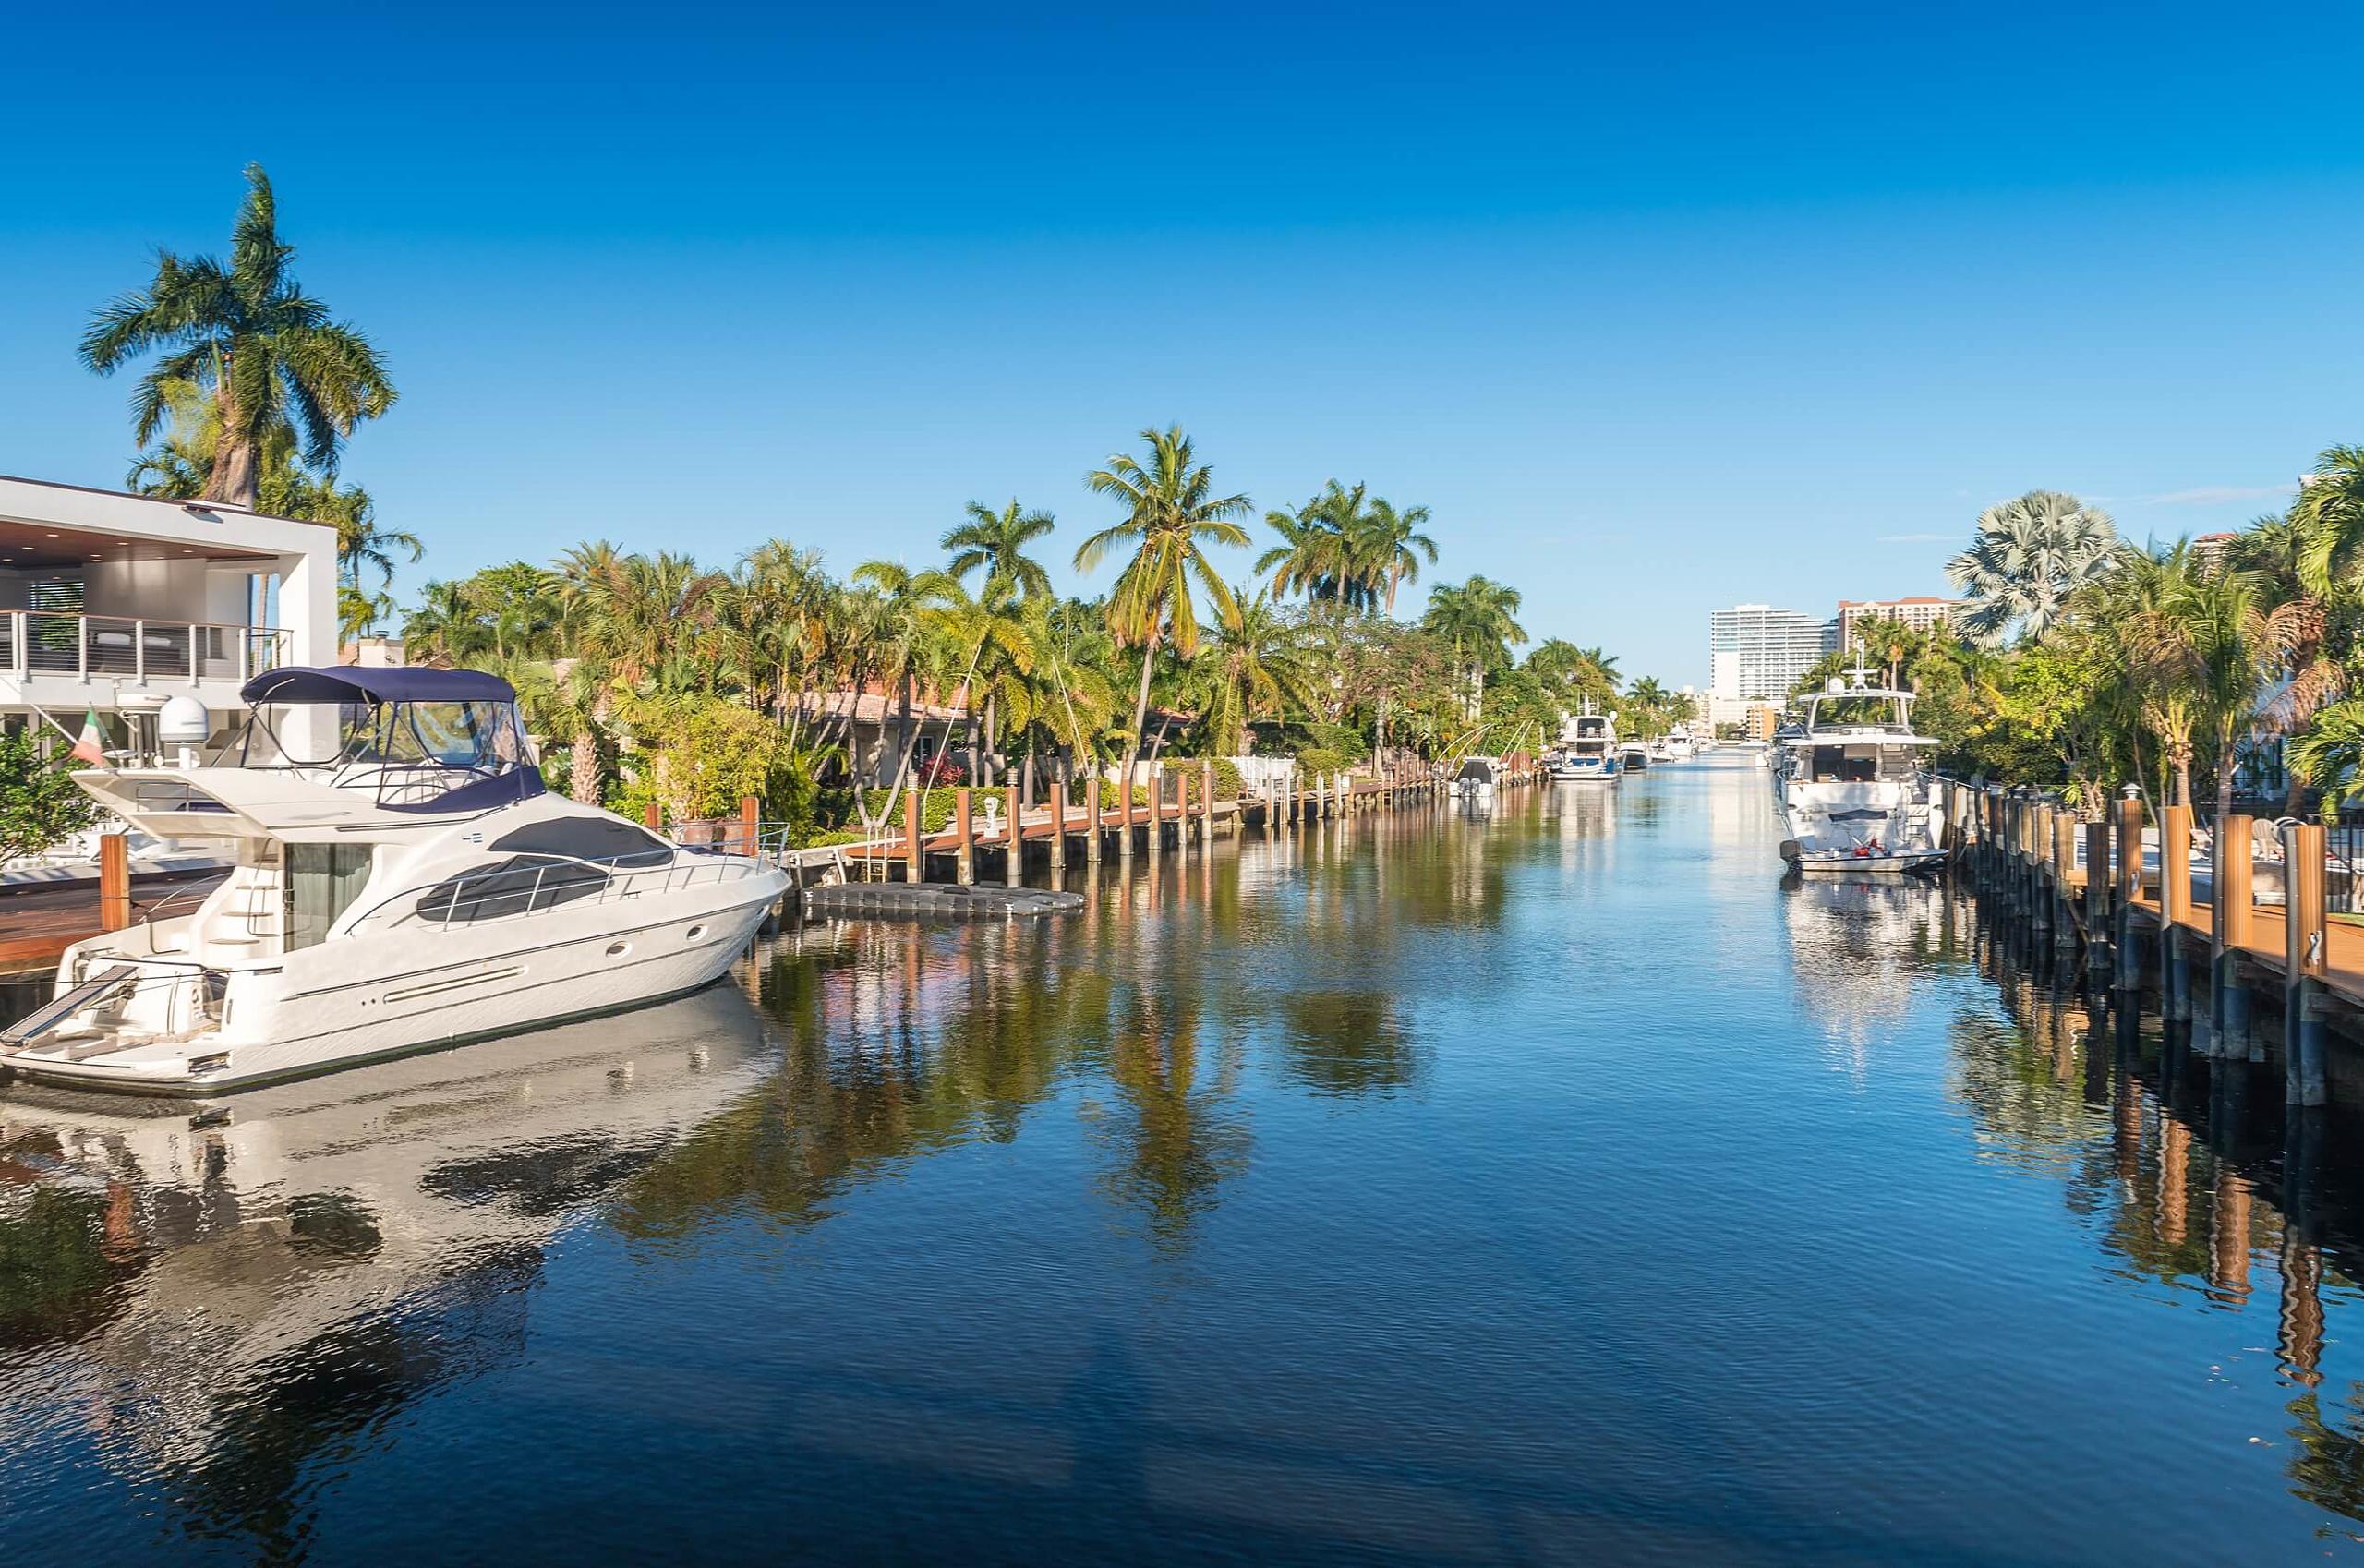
x,y
1549,1186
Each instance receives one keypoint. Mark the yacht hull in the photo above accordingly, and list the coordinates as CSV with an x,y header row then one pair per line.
x,y
432,990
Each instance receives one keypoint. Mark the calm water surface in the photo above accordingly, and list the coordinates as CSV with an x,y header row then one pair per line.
x,y
1551,1188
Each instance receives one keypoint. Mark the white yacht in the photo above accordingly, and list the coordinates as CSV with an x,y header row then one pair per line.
x,y
401,881
1676,746
1587,748
1632,757
1853,783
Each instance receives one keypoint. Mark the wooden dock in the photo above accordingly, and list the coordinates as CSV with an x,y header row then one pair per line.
x,y
2129,895
1086,824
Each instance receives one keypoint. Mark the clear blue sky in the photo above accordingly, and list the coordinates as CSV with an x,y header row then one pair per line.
x,y
1657,312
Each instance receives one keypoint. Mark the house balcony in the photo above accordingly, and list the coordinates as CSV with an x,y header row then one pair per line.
x,y
49,647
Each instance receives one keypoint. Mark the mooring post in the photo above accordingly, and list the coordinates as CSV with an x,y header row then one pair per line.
x,y
114,882
964,855
914,857
2128,862
2034,852
1207,802
1125,817
1013,869
2306,962
652,818
1091,818
1182,812
2175,907
749,827
1059,832
2229,867
2097,892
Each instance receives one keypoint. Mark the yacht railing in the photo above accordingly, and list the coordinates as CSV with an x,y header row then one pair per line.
x,y
551,882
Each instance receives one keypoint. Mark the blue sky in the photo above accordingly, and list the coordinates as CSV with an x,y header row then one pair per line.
x,y
1654,312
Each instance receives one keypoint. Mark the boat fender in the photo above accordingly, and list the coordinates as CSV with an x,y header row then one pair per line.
x,y
1791,851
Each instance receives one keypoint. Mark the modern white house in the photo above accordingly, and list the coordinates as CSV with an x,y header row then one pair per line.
x,y
116,603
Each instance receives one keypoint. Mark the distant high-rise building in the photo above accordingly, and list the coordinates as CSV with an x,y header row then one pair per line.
x,y
1926,613
1756,653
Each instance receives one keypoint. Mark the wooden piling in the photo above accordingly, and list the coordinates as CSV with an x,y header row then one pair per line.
x,y
1092,846
1059,832
2129,865
2098,887
964,855
2229,870
1207,803
2304,912
1182,812
114,882
1014,868
914,855
651,818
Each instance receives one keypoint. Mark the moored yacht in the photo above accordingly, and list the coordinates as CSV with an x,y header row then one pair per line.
x,y
1853,783
1587,748
401,881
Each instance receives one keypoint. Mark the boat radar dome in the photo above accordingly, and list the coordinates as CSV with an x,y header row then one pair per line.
x,y
182,721
1833,686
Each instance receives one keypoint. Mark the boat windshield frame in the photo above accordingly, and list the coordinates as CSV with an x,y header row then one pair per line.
x,y
409,753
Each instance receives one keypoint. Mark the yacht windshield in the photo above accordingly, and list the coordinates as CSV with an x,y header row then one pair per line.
x,y
1859,711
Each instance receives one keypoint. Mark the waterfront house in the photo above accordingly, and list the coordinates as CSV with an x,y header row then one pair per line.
x,y
114,604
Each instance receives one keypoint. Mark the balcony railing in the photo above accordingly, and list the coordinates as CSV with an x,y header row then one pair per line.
x,y
42,642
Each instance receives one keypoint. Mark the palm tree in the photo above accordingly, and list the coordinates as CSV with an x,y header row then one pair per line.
x,y
2202,644
1252,669
2327,519
1476,617
361,546
1390,545
907,651
1317,552
269,354
997,541
1172,513
988,638
2030,555
2330,756
447,625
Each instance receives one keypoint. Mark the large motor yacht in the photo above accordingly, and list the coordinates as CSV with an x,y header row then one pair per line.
x,y
1587,748
401,881
1853,782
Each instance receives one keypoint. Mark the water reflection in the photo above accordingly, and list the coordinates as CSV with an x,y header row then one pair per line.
x,y
1863,949
2193,1177
1311,1200
230,1295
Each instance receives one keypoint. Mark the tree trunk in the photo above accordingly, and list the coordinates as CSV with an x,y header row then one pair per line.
x,y
1140,707
903,720
582,769
236,477
2225,770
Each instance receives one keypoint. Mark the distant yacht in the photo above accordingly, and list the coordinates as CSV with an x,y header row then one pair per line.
x,y
1632,757
1853,782
1587,748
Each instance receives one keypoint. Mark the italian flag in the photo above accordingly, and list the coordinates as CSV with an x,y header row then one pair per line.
x,y
90,748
